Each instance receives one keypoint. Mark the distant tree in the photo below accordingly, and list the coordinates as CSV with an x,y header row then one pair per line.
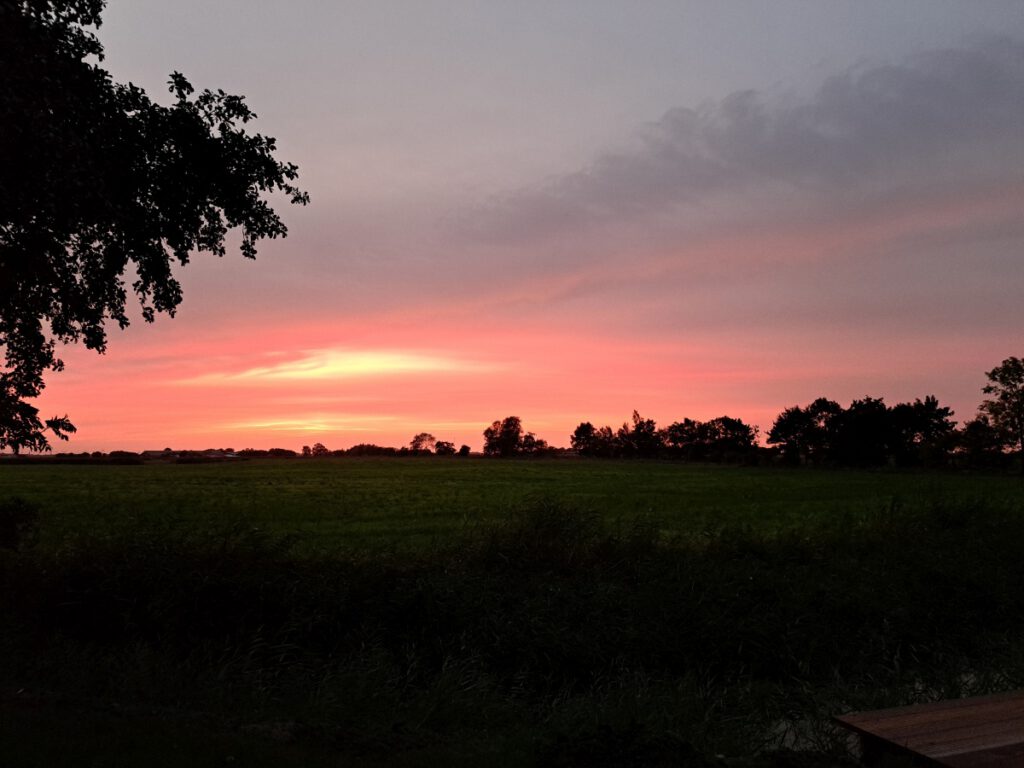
x,y
444,448
582,438
533,445
464,451
979,445
588,440
806,435
684,439
1005,409
868,433
930,421
504,438
370,449
281,453
720,439
319,449
99,182
306,451
791,432
863,434
729,439
825,418
424,441
921,432
640,438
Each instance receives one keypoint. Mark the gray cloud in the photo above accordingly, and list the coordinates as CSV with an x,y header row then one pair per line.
x,y
948,117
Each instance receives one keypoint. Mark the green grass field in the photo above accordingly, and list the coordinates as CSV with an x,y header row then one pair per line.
x,y
428,611
414,501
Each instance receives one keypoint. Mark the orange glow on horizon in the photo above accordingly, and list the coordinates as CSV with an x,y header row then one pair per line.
x,y
553,381
519,347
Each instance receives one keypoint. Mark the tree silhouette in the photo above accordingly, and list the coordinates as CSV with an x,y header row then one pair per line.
x,y
99,181
867,434
533,445
683,438
424,441
1005,408
729,439
979,444
863,435
720,439
792,432
639,438
587,440
806,434
504,438
922,432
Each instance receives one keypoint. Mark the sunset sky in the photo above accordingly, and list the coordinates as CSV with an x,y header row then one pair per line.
x,y
569,210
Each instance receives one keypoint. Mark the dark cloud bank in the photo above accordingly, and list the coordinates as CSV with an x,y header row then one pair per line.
x,y
947,119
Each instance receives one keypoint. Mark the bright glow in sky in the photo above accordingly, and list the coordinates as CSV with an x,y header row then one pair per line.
x,y
565,211
333,365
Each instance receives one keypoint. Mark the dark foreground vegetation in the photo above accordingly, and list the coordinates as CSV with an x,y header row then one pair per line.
x,y
552,638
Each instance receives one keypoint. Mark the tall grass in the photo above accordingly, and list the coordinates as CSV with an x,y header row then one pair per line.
x,y
551,638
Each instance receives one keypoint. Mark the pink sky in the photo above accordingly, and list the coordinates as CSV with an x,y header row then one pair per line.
x,y
680,212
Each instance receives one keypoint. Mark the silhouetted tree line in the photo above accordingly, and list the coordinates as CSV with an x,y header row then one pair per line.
x,y
506,438
167,455
270,453
723,439
918,434
423,444
867,433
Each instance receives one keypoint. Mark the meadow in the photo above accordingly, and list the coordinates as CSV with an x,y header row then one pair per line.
x,y
508,612
415,502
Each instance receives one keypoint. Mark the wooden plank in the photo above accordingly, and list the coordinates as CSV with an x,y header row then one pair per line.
x,y
979,732
998,757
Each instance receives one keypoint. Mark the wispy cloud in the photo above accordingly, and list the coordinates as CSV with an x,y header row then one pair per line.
x,y
316,423
336,364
